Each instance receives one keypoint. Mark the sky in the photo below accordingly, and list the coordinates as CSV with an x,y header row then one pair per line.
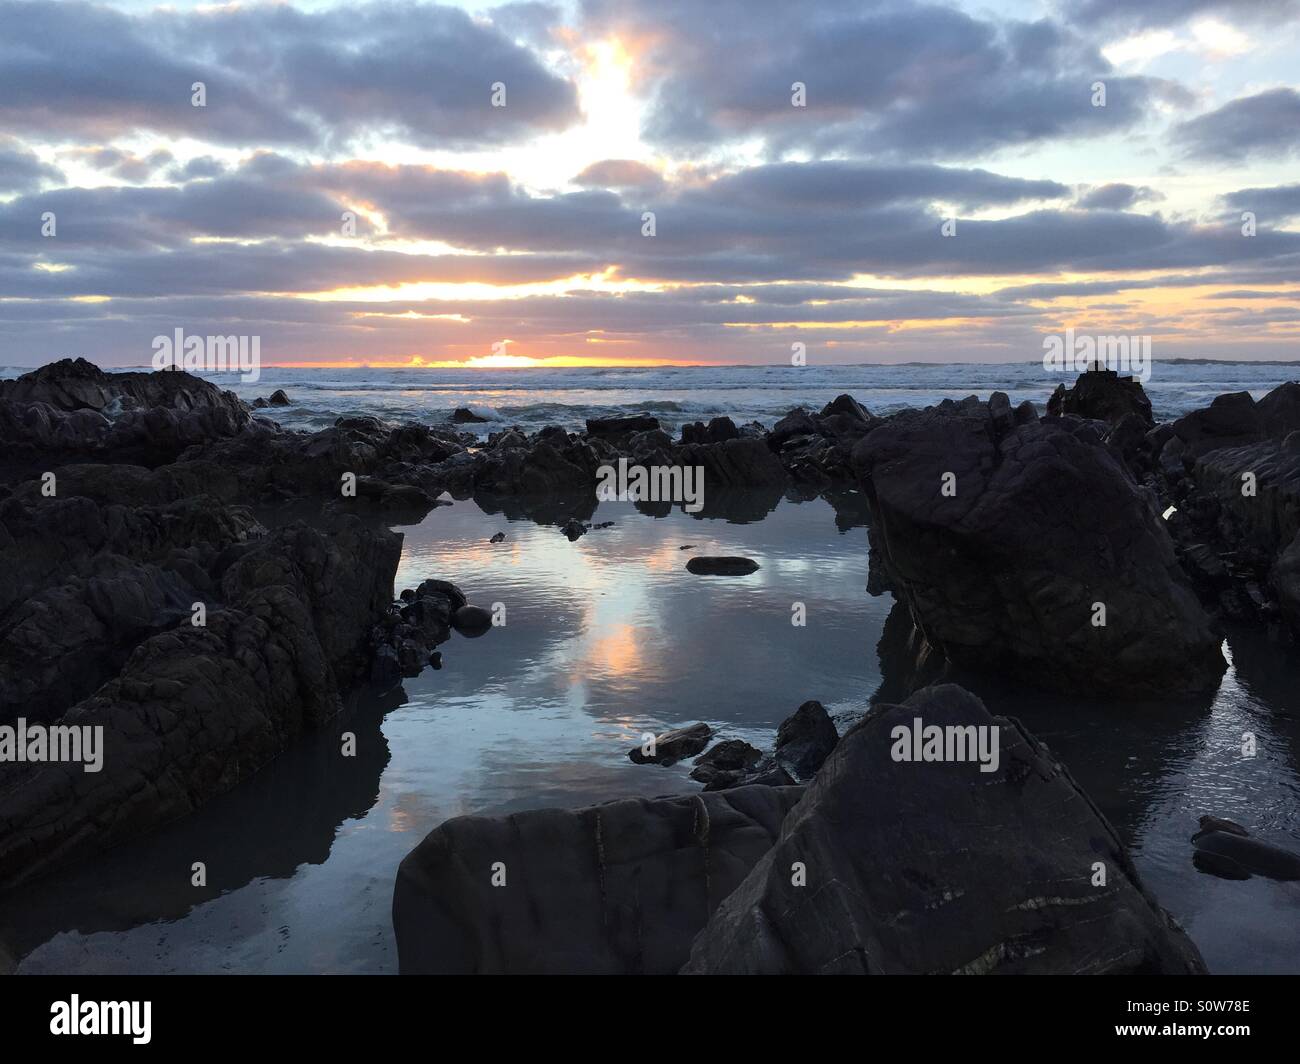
x,y
615,182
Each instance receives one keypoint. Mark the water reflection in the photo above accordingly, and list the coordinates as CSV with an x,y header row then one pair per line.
x,y
605,638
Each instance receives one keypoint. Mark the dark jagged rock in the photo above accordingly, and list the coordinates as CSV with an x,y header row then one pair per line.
x,y
536,470
725,764
673,746
796,423
707,565
80,385
715,430
1004,548
804,741
445,588
739,462
197,709
464,416
1279,410
730,754
938,867
1231,420
1102,395
848,406
619,888
617,426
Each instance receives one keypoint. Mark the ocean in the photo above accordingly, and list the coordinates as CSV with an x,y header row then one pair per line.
x,y
532,398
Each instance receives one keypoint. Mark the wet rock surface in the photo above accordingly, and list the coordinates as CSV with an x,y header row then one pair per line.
x,y
1029,548
876,898
619,888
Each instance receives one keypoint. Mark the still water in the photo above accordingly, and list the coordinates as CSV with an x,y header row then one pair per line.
x,y
606,638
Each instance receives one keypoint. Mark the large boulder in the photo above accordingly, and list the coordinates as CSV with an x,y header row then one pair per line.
x,y
805,740
1231,420
1029,549
196,709
620,888
893,866
1102,395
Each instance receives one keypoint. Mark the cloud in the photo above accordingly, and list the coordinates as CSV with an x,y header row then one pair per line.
x,y
273,75
1116,196
22,170
1261,126
120,163
1149,13
620,174
917,81
1280,203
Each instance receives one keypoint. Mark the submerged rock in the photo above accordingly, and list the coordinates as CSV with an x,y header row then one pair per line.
x,y
711,565
471,620
1226,849
673,746
619,888
904,867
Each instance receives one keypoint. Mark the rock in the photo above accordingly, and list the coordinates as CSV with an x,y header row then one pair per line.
x,y
619,888
673,746
796,423
278,398
1279,410
464,416
1004,570
1103,395
847,405
721,429
385,669
497,537
512,439
939,867
741,462
730,754
1231,420
516,467
706,565
768,773
1227,850
1026,413
471,620
1284,579
196,710
804,741
444,588
618,426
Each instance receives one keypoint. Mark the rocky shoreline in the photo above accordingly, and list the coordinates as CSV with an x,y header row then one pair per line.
x,y
205,586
